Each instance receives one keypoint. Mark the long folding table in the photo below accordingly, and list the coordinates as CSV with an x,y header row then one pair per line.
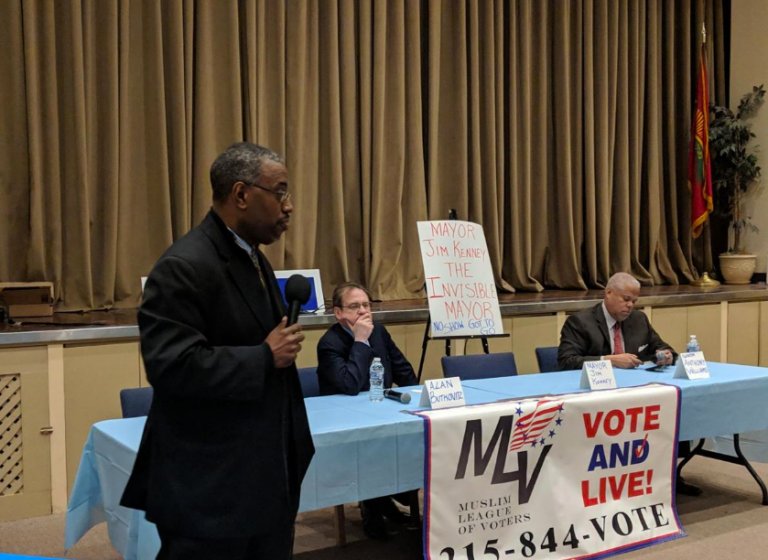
x,y
366,449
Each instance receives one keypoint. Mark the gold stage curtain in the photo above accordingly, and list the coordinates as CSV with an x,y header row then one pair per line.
x,y
562,126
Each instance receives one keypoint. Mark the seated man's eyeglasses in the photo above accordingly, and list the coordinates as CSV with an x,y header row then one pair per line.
x,y
357,306
282,196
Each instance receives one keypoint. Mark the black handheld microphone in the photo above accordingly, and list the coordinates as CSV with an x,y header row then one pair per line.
x,y
403,398
297,292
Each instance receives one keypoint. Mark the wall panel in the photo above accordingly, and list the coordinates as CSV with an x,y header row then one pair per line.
x,y
704,322
743,333
763,352
672,325
93,378
529,333
25,465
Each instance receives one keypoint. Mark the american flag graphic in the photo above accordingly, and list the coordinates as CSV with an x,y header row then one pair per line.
x,y
530,427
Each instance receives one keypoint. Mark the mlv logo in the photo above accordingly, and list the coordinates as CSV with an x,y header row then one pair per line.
x,y
520,432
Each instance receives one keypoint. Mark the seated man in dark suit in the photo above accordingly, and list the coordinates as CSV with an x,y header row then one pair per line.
x,y
344,356
612,330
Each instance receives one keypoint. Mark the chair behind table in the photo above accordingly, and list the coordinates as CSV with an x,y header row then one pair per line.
x,y
547,358
479,366
136,402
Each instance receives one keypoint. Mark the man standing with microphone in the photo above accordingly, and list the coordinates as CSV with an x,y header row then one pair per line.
x,y
344,357
226,443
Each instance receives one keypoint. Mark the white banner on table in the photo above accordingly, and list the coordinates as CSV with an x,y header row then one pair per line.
x,y
460,287
559,477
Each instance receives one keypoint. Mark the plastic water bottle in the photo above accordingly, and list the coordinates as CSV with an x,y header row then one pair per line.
x,y
693,344
377,381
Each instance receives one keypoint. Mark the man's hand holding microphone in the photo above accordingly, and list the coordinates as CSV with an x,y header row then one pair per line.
x,y
286,338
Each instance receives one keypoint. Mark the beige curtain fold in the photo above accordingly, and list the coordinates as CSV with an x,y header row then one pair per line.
x,y
561,126
393,179
15,172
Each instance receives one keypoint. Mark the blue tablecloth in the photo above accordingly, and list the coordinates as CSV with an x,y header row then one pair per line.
x,y
366,449
16,557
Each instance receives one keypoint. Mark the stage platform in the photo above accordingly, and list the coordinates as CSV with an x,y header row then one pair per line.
x,y
120,324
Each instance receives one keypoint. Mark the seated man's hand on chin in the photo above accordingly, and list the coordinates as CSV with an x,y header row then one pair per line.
x,y
625,361
363,328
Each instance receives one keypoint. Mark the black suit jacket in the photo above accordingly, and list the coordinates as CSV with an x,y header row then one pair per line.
x,y
344,365
227,441
585,337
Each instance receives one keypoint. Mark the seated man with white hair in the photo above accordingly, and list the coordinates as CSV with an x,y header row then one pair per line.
x,y
612,330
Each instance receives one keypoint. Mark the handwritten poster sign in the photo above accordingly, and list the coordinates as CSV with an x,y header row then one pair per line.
x,y
558,477
460,287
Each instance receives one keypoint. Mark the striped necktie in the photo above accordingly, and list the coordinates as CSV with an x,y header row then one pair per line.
x,y
255,261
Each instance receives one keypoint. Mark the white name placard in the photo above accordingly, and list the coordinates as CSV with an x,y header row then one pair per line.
x,y
597,375
442,393
691,365
460,287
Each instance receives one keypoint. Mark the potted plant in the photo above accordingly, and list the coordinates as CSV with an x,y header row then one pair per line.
x,y
734,171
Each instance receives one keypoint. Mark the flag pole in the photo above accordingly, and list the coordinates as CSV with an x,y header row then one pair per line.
x,y
704,280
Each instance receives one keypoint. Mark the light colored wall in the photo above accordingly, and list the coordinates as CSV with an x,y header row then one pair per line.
x,y
749,47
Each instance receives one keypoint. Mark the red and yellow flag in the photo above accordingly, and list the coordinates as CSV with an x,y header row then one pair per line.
x,y
699,169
